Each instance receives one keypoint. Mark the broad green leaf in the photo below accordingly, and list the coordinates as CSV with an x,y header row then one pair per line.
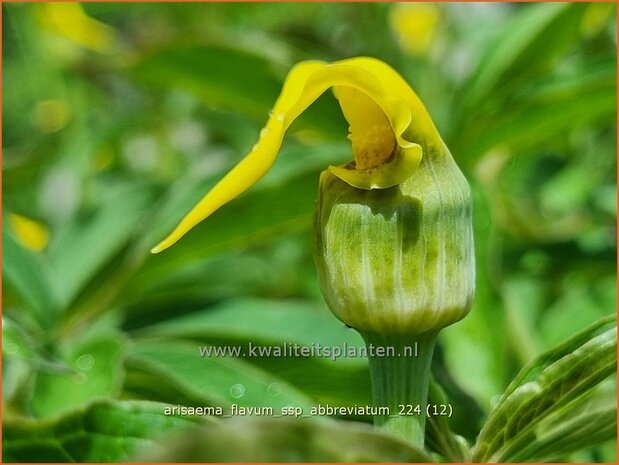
x,y
105,431
229,78
342,384
223,76
29,277
549,383
227,276
279,440
275,322
245,272
89,368
252,219
587,422
216,380
339,381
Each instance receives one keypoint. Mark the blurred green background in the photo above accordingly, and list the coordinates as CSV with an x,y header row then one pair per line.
x,y
117,118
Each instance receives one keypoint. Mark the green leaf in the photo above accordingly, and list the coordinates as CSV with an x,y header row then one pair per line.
x,y
231,79
282,202
18,354
587,422
597,294
87,369
523,297
263,321
28,276
535,122
604,327
105,431
519,98
439,436
343,381
16,342
280,440
86,245
223,76
341,384
532,40
218,381
549,383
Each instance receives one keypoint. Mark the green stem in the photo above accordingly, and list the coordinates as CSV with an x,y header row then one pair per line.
x,y
400,381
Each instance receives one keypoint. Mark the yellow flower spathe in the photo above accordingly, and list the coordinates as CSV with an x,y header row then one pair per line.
x,y
415,25
68,19
29,233
385,116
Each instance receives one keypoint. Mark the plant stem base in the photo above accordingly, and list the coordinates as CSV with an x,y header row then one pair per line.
x,y
400,381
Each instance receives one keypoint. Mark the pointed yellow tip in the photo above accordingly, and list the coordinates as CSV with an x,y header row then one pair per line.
x,y
158,248
164,244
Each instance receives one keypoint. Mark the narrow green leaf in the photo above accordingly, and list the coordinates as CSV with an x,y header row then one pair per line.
x,y
28,276
16,342
439,436
280,440
533,123
18,355
590,75
549,357
105,431
532,39
585,423
546,385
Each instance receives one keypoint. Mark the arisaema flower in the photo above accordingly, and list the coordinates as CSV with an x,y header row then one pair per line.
x,y
393,238
387,122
